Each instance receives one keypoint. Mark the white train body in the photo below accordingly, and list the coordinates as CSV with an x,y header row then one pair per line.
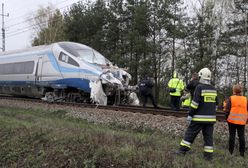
x,y
63,71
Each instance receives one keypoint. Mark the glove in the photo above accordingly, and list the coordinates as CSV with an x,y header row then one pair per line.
x,y
189,118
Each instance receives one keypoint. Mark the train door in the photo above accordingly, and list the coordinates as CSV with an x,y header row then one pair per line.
x,y
38,74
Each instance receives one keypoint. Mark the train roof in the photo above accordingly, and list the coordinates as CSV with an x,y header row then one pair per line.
x,y
30,49
76,49
42,48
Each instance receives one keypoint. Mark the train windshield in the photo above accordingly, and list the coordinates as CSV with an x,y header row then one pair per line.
x,y
85,53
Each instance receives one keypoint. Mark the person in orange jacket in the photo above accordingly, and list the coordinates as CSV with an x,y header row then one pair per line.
x,y
236,114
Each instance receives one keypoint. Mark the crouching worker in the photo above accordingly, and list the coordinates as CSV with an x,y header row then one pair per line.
x,y
236,114
202,116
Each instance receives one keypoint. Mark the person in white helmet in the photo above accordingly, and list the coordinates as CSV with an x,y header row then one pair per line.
x,y
202,115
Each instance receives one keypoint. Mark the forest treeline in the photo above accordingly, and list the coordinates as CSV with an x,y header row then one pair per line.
x,y
156,37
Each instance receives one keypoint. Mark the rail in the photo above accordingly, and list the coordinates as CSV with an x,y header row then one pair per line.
x,y
165,111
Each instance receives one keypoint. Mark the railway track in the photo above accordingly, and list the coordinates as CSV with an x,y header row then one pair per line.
x,y
124,108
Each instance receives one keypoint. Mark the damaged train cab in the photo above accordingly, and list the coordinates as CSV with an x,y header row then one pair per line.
x,y
65,71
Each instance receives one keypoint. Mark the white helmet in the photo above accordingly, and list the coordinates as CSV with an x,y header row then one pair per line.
x,y
205,73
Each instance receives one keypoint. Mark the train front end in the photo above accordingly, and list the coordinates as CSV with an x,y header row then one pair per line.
x,y
108,84
115,85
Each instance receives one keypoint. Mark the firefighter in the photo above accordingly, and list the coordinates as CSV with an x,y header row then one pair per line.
x,y
202,115
176,87
236,114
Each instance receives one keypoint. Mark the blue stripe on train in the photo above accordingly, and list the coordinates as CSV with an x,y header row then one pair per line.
x,y
55,64
82,84
69,70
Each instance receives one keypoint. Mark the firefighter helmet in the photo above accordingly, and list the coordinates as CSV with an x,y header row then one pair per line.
x,y
205,73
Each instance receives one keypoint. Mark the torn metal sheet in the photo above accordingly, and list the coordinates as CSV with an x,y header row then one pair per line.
x,y
97,94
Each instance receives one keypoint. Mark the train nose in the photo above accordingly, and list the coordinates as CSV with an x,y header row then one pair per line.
x,y
107,77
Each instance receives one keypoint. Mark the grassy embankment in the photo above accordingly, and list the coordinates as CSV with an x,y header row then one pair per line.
x,y
50,139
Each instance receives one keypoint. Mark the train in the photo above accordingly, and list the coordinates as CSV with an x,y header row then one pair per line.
x,y
65,72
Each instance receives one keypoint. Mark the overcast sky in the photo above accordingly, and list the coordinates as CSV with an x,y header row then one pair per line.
x,y
18,31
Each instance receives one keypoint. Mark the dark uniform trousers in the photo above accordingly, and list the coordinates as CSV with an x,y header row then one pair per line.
x,y
146,96
175,102
191,133
241,135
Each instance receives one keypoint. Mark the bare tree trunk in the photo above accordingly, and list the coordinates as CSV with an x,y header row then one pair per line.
x,y
186,58
246,53
173,44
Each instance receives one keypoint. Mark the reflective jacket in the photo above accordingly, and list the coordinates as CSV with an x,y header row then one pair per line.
x,y
177,84
186,102
238,111
203,105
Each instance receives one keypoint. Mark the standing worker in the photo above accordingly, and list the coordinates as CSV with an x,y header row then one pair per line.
x,y
176,87
236,113
192,84
145,87
202,115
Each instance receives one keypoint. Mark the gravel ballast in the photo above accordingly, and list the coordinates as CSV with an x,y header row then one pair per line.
x,y
168,124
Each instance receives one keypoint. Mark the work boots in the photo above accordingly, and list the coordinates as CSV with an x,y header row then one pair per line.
x,y
182,150
208,156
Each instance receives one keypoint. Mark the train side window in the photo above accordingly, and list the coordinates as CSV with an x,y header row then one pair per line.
x,y
26,67
65,58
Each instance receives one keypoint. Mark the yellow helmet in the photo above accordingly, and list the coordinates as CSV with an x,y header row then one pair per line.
x,y
175,75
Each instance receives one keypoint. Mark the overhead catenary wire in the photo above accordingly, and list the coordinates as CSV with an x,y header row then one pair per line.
x,y
18,33
30,19
30,27
19,29
18,17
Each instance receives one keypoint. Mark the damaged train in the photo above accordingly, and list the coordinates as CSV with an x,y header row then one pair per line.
x,y
65,72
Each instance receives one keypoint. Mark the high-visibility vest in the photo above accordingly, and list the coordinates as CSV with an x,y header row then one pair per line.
x,y
177,84
238,113
186,102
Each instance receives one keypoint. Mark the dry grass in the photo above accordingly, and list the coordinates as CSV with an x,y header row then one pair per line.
x,y
51,139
